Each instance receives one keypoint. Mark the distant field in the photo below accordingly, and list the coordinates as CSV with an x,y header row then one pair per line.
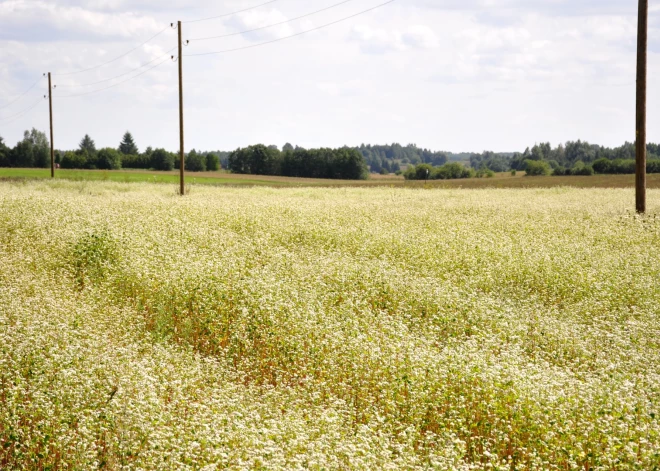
x,y
501,180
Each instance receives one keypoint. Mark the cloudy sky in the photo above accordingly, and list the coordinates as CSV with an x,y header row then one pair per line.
x,y
458,75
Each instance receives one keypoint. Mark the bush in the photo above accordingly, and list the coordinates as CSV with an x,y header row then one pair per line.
x,y
72,160
514,172
162,160
537,168
195,162
602,166
653,166
212,162
582,170
142,161
108,159
559,172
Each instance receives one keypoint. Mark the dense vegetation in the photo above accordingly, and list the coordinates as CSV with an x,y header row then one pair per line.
x,y
340,164
327,329
572,158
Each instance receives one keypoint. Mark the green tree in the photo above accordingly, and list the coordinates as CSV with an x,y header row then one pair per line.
x,y
127,145
212,162
537,168
88,145
4,154
195,162
108,159
162,160
74,160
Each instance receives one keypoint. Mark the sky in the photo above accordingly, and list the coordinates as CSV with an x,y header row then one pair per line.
x,y
453,75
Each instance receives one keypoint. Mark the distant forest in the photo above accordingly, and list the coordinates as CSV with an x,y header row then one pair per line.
x,y
571,158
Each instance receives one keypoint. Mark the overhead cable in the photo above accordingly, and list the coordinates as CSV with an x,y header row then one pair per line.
x,y
113,60
7,105
230,14
274,24
8,119
113,85
117,76
291,36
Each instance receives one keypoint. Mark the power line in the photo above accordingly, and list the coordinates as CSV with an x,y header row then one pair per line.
x,y
115,59
293,35
230,14
9,119
22,94
114,85
120,75
275,24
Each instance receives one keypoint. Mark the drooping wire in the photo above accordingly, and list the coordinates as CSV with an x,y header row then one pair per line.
x,y
9,119
7,105
115,59
275,24
231,14
120,75
113,85
291,36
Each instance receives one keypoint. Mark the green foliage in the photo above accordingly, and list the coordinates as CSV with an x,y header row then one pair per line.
x,y
127,145
451,171
108,159
536,168
90,258
343,163
140,161
5,154
212,162
378,157
72,160
195,162
162,160
513,172
88,145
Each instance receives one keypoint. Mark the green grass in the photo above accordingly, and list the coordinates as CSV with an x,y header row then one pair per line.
x,y
501,180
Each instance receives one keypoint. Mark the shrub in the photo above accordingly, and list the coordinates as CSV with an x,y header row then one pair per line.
x,y
584,170
162,160
74,160
212,162
195,162
108,159
142,161
537,168
602,165
653,166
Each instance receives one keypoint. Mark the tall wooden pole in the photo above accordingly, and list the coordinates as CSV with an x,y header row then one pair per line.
x,y
642,47
52,144
181,148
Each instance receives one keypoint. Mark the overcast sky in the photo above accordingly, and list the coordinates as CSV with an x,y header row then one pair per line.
x,y
457,75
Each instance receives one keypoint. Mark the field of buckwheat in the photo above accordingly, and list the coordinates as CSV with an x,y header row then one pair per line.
x,y
327,329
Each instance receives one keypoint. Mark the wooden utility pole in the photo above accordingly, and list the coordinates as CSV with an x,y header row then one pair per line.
x,y
52,144
642,47
181,149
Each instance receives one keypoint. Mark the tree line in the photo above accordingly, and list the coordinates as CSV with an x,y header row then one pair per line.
x,y
571,158
343,163
34,151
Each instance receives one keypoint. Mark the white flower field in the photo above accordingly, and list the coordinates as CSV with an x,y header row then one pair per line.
x,y
327,329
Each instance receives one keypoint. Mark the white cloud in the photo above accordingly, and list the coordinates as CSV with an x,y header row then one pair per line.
x,y
425,71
